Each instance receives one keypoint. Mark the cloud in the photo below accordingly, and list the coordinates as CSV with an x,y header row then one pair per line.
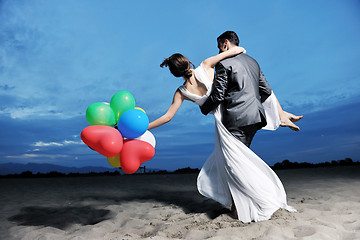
x,y
47,78
57,144
6,87
32,155
33,112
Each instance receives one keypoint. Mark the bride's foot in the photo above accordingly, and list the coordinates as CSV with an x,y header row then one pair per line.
x,y
287,119
234,212
287,123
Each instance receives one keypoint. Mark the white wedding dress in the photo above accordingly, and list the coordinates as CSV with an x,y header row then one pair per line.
x,y
235,172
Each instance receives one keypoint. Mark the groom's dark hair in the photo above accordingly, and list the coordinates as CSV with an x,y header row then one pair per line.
x,y
229,35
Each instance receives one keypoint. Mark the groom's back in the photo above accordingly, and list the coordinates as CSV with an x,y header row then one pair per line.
x,y
242,103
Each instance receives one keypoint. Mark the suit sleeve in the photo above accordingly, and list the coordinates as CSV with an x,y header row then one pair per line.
x,y
218,91
264,87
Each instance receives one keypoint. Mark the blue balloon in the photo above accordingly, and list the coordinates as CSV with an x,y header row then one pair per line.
x,y
133,123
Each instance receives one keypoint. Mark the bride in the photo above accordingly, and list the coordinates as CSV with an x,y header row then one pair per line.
x,y
233,175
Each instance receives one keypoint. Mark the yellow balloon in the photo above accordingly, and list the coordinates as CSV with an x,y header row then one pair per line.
x,y
140,109
114,161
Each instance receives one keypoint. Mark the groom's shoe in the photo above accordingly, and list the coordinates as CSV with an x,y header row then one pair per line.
x,y
234,212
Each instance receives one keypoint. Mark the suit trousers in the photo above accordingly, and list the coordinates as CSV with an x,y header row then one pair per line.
x,y
246,133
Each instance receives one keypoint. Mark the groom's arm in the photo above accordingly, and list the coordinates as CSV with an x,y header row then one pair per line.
x,y
264,87
218,90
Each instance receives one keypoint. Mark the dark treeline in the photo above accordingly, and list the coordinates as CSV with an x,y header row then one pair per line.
x,y
29,174
286,164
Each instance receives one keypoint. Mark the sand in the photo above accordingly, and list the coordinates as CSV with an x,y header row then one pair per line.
x,y
169,207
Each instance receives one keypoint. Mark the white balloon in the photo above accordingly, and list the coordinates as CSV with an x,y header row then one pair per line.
x,y
148,137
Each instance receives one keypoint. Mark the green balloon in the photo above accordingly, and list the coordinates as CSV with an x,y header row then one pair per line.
x,y
121,102
100,113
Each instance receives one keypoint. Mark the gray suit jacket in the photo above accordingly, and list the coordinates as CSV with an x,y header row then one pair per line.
x,y
240,87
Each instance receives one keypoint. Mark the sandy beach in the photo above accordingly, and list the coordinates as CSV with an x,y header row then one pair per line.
x,y
169,207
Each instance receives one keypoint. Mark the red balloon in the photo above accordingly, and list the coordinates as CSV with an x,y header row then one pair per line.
x,y
103,139
134,153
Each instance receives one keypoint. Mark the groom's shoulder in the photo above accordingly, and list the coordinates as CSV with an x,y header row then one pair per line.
x,y
245,59
228,61
245,56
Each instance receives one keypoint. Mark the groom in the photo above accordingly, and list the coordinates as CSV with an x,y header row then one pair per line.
x,y
240,87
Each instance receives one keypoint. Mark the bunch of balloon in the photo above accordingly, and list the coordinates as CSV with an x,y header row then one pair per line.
x,y
118,130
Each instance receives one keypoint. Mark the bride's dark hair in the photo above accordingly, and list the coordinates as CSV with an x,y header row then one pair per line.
x,y
179,65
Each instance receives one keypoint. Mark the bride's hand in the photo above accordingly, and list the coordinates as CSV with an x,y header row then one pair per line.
x,y
239,50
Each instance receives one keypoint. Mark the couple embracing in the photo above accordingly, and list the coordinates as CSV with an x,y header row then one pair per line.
x,y
242,102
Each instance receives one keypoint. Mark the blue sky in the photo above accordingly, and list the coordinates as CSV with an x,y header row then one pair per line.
x,y
58,57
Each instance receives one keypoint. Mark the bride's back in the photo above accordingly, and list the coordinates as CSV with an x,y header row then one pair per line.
x,y
195,86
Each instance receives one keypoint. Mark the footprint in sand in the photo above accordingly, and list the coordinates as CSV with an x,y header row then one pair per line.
x,y
352,225
304,231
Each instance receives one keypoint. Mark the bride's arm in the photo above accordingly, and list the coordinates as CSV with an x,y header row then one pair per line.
x,y
212,61
174,107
